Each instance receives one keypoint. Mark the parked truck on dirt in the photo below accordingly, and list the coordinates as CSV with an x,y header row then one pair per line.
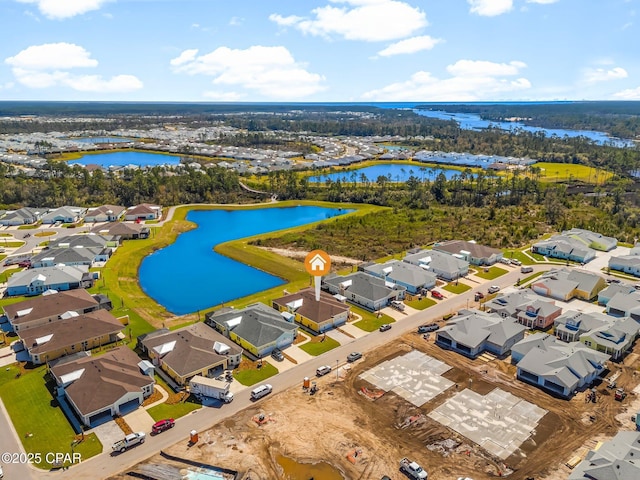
x,y
412,469
129,441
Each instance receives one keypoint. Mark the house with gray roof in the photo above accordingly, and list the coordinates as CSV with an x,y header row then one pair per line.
x,y
472,332
257,328
22,216
626,263
615,338
58,277
612,289
104,213
472,252
594,240
565,248
412,277
66,214
571,324
85,249
615,459
370,292
625,305
444,266
557,367
528,308
98,388
194,350
564,284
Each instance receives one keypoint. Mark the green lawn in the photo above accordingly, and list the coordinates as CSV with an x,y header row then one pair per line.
x,y
29,227
537,256
518,255
175,410
459,288
14,244
530,278
255,375
425,302
6,235
2,256
46,233
562,172
371,323
494,272
318,348
39,422
7,273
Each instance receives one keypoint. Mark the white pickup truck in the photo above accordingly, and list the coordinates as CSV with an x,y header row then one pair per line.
x,y
129,441
412,469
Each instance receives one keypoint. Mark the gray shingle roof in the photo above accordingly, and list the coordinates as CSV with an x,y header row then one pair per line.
x,y
472,328
53,275
616,459
403,272
475,249
364,285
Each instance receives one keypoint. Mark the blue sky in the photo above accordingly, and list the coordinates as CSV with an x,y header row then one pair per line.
x,y
319,50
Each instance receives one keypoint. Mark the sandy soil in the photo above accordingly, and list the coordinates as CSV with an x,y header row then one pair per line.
x,y
338,419
300,254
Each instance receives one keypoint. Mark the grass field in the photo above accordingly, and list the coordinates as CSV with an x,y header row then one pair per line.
x,y
46,233
174,410
7,273
319,345
563,172
372,323
518,255
494,272
45,427
421,304
252,376
459,288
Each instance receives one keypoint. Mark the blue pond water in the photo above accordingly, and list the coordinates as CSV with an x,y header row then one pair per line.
x,y
188,275
102,140
121,159
470,121
398,172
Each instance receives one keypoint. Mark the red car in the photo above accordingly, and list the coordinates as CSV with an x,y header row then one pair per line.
x,y
163,425
437,294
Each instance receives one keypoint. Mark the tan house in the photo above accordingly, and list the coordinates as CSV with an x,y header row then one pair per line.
x,y
193,350
48,308
318,316
144,211
70,334
104,213
98,388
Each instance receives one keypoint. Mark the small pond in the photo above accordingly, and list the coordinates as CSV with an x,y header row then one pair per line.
x,y
306,471
395,171
121,159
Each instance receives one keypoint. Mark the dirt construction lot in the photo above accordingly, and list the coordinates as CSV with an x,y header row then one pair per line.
x,y
365,438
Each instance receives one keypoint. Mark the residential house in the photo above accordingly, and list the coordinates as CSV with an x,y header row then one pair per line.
x,y
565,248
557,367
66,214
125,231
22,216
144,211
613,339
257,328
615,459
626,263
189,351
318,316
77,250
443,265
98,388
593,240
529,309
370,292
625,305
564,284
71,333
90,240
612,289
105,213
414,278
571,324
472,252
58,277
47,308
472,332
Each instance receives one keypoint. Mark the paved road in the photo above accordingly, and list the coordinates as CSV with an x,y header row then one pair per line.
x,y
105,465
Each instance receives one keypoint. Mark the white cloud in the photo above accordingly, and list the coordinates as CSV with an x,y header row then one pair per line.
x,y
542,2
48,65
60,9
236,21
52,55
270,71
470,81
628,94
410,45
595,75
490,8
367,20
224,96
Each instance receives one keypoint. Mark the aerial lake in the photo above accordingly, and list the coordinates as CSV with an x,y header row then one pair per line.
x,y
189,275
398,173
122,159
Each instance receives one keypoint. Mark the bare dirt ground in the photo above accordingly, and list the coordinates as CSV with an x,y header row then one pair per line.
x,y
338,420
300,254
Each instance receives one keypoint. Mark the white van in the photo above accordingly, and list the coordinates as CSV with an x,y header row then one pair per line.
x,y
261,391
526,269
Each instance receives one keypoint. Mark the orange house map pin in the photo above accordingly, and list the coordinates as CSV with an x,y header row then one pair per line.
x,y
317,263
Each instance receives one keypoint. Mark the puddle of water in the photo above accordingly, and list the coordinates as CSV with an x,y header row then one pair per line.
x,y
307,471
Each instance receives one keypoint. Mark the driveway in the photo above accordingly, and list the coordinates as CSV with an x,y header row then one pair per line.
x,y
340,337
139,420
108,434
298,355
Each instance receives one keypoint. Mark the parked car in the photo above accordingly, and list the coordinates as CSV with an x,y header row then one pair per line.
x,y
526,269
277,354
494,289
398,305
506,261
24,264
384,327
515,261
353,356
431,327
479,296
163,425
437,294
323,370
261,391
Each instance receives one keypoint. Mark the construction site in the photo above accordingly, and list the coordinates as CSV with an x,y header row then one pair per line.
x,y
455,416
